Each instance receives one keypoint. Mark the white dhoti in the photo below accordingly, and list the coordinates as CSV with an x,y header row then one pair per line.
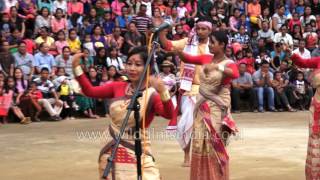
x,y
184,127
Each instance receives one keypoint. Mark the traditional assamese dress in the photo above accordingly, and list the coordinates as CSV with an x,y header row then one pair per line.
x,y
124,165
189,86
209,160
312,168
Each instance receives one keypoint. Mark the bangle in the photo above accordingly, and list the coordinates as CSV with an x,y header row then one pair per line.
x,y
77,71
221,68
165,96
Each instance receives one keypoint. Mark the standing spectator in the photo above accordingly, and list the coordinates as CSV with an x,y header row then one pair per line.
x,y
44,60
24,61
6,59
50,100
302,51
242,88
279,85
263,85
64,60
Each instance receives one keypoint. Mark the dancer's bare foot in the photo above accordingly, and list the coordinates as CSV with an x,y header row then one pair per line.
x,y
185,164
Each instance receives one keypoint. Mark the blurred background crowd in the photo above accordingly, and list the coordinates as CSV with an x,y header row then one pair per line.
x,y
39,38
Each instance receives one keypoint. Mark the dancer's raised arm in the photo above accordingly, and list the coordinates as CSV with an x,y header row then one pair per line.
x,y
306,63
106,91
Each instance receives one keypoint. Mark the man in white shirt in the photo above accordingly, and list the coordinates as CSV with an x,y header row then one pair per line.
x,y
302,51
284,37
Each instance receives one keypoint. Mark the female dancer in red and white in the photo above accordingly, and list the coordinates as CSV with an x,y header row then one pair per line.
x,y
157,102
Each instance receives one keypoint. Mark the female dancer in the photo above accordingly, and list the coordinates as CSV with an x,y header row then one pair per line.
x,y
158,102
312,168
213,122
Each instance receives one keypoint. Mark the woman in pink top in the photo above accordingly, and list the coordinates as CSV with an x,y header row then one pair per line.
x,y
58,22
117,6
75,7
192,7
61,41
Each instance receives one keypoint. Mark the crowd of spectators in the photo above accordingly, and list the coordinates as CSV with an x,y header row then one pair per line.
x,y
39,38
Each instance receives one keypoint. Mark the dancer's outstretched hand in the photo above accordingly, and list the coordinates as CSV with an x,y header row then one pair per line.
x,y
77,59
158,84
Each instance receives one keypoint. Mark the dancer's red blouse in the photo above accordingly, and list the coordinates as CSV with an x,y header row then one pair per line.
x,y
117,89
306,63
207,59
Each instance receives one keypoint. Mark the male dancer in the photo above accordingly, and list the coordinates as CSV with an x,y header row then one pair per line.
x,y
196,44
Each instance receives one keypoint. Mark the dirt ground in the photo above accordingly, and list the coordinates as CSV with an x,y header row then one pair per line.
x,y
270,146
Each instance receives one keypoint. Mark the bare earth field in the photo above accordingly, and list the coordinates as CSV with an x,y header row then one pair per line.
x,y
270,146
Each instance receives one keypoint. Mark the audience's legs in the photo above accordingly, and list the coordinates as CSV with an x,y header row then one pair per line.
x,y
235,99
259,92
270,94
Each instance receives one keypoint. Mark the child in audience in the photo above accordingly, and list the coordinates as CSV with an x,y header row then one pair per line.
x,y
300,87
11,88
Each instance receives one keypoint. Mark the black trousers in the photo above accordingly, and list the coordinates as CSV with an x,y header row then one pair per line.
x,y
243,94
281,99
67,112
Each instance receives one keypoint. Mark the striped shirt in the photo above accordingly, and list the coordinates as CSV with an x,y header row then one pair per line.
x,y
143,23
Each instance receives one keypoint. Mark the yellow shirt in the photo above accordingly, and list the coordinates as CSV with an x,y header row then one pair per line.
x,y
64,90
74,45
40,40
